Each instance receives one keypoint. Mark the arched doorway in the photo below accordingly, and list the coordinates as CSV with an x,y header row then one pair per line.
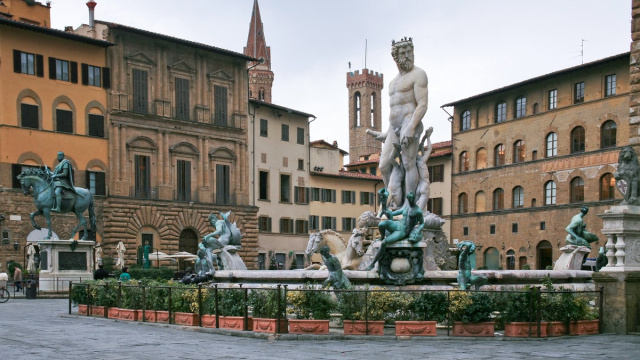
x,y
492,258
511,260
188,242
544,252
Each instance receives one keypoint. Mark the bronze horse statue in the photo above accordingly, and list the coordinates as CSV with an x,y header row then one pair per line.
x,y
40,184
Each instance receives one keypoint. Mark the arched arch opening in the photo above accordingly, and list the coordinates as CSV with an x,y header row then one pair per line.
x,y
492,258
544,254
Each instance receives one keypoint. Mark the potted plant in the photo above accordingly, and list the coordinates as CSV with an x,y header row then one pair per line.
x,y
107,296
359,318
519,312
78,297
557,311
420,316
312,308
265,310
183,299
231,306
583,316
131,301
471,313
157,300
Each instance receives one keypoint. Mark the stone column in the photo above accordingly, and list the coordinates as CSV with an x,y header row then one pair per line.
x,y
634,73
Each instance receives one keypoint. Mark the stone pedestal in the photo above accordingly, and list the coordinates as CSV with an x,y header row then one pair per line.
x,y
622,229
402,263
60,263
621,312
571,258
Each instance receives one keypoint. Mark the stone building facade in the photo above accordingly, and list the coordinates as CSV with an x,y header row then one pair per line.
x,y
527,156
177,141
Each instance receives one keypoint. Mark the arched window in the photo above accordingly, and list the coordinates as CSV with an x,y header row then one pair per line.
x,y
498,155
550,193
356,103
29,113
552,144
511,260
498,199
577,139
607,187
481,159
462,203
373,107
608,134
64,118
464,161
480,201
492,258
501,112
577,189
544,252
518,151
465,120
521,106
518,197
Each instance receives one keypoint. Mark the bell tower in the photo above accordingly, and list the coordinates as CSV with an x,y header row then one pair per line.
x,y
364,112
261,76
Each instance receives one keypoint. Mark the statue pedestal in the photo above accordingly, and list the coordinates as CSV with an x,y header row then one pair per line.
x,y
571,258
622,229
60,264
402,263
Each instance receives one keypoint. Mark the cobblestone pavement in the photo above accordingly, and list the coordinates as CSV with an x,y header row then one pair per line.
x,y
42,329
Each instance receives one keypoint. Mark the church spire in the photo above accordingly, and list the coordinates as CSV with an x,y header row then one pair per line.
x,y
261,76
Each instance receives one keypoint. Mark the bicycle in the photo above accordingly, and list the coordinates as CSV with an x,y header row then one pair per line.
x,y
4,293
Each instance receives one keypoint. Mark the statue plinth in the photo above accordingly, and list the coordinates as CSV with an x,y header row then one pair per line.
x,y
571,258
402,262
622,229
62,261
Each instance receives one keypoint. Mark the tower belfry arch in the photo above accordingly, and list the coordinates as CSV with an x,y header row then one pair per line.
x,y
364,112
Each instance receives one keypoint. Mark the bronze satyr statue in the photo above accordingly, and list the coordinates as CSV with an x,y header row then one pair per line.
x,y
336,276
465,279
578,235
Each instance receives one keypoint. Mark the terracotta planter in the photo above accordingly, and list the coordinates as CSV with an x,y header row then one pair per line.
x,y
300,326
556,328
127,315
359,327
415,328
149,315
188,319
485,329
162,316
112,312
209,321
96,311
521,329
82,309
235,322
584,327
269,325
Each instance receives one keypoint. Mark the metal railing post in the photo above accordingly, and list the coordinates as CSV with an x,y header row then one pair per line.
x,y
601,310
170,306
200,305
539,311
530,310
366,312
144,303
215,293
278,309
245,323
70,286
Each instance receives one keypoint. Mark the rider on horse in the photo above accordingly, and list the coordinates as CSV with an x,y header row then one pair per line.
x,y
62,177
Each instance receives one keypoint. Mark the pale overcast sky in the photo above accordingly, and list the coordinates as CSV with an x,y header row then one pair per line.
x,y
466,47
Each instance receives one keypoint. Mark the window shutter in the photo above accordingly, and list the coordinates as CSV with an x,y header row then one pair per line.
x,y
85,74
17,62
306,227
333,196
333,223
344,224
52,68
39,65
73,70
106,78
362,193
281,224
353,197
306,195
343,196
296,198
371,199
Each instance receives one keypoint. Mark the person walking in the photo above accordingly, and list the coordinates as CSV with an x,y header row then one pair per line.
x,y
17,278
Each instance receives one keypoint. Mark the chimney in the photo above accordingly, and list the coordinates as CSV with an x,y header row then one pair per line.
x,y
92,29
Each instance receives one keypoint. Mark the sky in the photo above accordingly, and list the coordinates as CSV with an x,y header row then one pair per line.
x,y
466,47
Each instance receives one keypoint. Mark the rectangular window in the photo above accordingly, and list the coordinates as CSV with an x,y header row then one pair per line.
x,y
286,226
328,195
61,69
182,99
285,188
521,107
94,76
27,63
96,183
315,194
372,170
329,222
220,94
610,85
348,224
300,164
285,132
64,121
436,173
302,227
96,125
578,93
264,185
367,198
264,224
465,230
264,127
543,225
29,116
501,112
553,99
492,229
514,228
314,222
261,261
301,136
142,168
434,205
183,175
301,195
348,197
223,188
140,91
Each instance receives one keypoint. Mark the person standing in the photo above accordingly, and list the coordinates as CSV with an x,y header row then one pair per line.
x,y
101,273
124,277
17,278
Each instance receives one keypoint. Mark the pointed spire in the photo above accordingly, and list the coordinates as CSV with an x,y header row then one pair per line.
x,y
260,75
